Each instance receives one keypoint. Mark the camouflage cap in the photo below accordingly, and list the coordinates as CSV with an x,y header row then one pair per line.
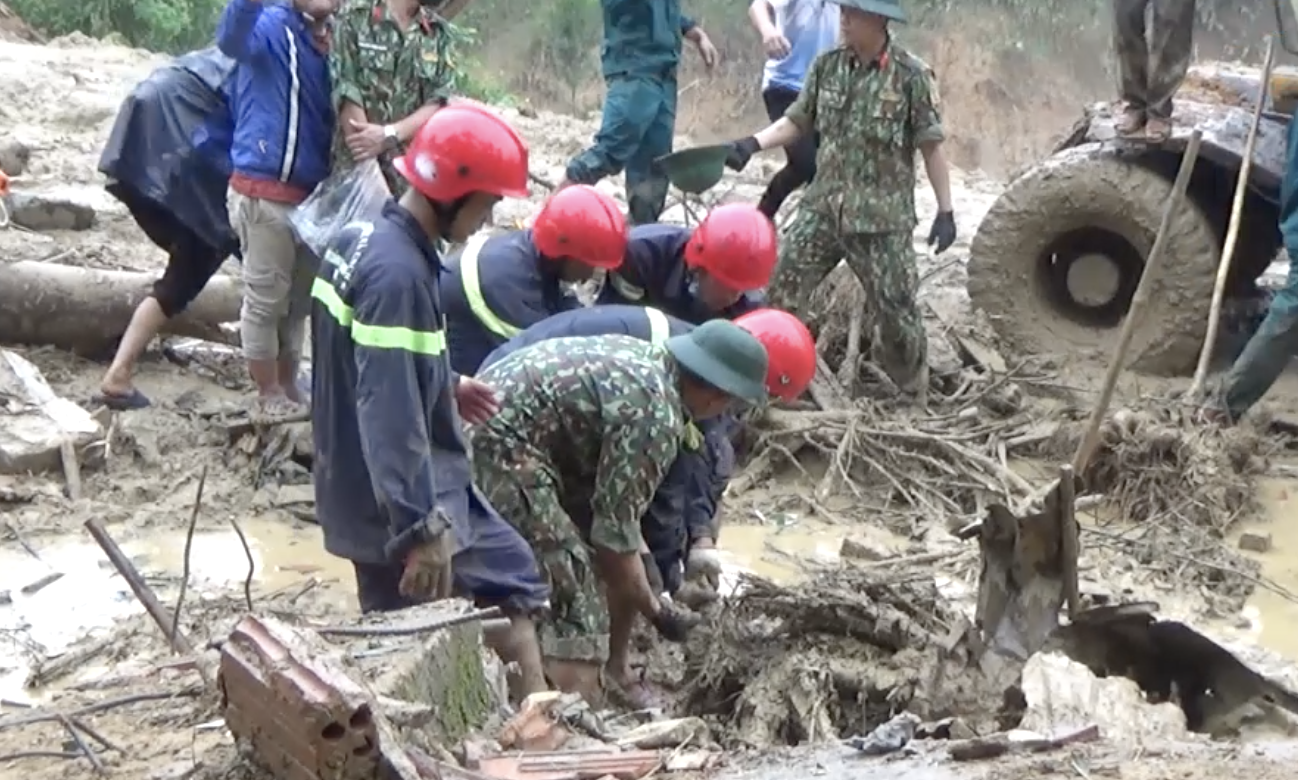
x,y
725,356
888,9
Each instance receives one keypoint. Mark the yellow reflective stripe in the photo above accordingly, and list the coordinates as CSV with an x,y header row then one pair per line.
x,y
692,436
421,342
624,288
659,328
472,282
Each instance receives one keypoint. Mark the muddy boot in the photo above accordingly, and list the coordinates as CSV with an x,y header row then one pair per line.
x,y
1132,122
1158,130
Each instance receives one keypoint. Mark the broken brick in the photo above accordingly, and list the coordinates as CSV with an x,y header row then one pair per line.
x,y
1255,542
302,718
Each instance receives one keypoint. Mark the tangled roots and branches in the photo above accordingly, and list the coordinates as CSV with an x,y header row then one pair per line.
x,y
830,658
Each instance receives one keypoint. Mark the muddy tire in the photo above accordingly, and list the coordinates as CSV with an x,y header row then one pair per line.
x,y
1056,260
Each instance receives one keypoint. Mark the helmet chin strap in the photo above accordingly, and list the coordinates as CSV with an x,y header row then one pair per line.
x,y
445,214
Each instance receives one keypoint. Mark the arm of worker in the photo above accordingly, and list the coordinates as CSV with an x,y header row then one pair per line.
x,y
762,15
646,249
345,75
663,525
925,122
798,119
693,33
452,9
241,30
641,440
388,407
711,467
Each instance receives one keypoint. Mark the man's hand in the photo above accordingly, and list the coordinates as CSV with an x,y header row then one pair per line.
x,y
427,575
703,564
706,50
776,45
741,152
475,400
673,623
364,140
942,234
652,574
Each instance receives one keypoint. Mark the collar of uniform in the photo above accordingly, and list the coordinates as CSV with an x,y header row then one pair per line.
x,y
394,213
880,61
426,18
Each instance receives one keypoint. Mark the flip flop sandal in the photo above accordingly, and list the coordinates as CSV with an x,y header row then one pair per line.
x,y
132,401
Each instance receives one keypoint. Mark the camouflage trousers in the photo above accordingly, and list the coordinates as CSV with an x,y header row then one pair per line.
x,y
1153,59
526,493
884,263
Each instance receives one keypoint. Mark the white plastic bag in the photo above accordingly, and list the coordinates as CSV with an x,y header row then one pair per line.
x,y
345,197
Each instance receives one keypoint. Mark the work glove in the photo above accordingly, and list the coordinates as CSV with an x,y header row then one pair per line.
x,y
703,566
741,152
652,574
673,622
943,231
427,574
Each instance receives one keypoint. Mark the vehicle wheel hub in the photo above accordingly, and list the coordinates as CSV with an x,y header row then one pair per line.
x,y
1093,280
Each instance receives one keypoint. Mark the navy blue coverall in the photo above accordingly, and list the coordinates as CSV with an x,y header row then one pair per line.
x,y
653,273
388,442
495,289
693,486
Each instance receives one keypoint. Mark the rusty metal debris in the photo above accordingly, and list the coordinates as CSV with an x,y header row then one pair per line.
x,y
302,716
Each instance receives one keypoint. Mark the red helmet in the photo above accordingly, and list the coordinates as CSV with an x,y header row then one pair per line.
x,y
582,223
735,244
462,149
790,350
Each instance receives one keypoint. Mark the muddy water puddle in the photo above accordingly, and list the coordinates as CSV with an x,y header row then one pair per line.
x,y
56,594
1273,616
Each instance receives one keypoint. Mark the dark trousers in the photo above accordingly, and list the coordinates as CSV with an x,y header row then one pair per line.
x,y
1152,59
801,155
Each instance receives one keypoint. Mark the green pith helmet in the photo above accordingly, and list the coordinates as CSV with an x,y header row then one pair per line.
x,y
888,9
725,356
697,169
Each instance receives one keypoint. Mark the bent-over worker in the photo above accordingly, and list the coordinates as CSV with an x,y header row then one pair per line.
x,y
696,274
394,491
587,430
1270,349
168,161
874,104
500,285
681,523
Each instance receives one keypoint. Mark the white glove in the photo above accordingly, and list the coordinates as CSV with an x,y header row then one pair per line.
x,y
704,565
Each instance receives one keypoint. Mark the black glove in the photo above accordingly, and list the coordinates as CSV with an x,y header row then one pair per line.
x,y
741,152
674,623
943,232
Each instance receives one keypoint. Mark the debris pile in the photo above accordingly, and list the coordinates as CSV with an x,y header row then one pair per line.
x,y
1177,489
834,657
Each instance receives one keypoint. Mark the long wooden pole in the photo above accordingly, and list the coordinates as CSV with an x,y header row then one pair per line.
x,y
1232,232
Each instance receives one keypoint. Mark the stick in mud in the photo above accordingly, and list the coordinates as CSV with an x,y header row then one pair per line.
x,y
189,544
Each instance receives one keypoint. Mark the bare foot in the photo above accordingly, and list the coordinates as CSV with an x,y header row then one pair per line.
x,y
1132,121
631,690
1158,130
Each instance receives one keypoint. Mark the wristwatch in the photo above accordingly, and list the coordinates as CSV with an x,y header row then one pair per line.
x,y
390,139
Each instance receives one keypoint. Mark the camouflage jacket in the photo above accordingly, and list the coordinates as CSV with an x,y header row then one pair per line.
x,y
388,71
871,120
603,415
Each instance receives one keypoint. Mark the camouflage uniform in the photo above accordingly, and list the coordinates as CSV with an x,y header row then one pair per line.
x,y
871,119
389,72
586,432
1152,63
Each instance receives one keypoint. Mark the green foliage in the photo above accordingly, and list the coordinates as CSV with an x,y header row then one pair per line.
x,y
160,25
571,30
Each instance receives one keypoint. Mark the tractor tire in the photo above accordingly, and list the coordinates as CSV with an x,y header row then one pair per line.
x,y
1094,197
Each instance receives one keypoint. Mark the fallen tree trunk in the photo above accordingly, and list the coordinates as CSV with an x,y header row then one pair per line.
x,y
86,310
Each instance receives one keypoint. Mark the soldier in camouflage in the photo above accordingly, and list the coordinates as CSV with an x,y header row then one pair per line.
x,y
391,68
1152,62
874,105
587,429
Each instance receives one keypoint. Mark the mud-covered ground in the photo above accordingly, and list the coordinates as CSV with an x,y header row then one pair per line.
x,y
60,100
